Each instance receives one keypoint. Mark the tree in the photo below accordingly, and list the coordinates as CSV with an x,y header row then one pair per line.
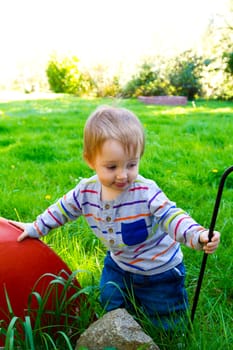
x,y
227,39
217,49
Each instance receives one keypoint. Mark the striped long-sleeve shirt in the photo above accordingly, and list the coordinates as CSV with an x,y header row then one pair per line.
x,y
141,228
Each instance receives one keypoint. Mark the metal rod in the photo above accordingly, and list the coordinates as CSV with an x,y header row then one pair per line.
x,y
211,230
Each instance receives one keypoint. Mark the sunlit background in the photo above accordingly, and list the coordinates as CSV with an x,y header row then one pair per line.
x,y
117,33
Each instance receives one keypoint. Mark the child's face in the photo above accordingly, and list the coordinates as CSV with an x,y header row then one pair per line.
x,y
116,169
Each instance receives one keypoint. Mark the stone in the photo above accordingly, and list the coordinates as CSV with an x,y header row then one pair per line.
x,y
116,329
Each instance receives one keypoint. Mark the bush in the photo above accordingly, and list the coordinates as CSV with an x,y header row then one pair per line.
x,y
148,82
64,76
184,74
176,76
108,87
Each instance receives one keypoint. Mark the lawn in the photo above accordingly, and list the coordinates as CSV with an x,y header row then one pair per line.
x,y
188,148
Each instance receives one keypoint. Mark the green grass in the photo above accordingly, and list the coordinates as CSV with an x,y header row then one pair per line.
x,y
54,327
188,149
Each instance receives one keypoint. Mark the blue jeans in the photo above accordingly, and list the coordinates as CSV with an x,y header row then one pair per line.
x,y
161,297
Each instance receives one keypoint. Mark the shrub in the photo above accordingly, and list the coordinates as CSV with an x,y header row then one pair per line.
x,y
64,76
148,82
175,76
184,74
109,87
105,83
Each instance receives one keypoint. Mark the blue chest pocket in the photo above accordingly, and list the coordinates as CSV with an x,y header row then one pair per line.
x,y
134,233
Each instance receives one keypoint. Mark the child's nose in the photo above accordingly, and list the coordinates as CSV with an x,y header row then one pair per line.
x,y
122,174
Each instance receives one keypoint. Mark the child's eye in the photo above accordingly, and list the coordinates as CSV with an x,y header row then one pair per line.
x,y
132,165
111,167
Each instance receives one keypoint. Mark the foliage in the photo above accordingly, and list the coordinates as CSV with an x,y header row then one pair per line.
x,y
184,73
105,83
64,76
217,79
108,87
179,75
228,56
148,81
42,328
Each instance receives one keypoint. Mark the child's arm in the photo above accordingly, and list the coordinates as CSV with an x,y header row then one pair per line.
x,y
57,214
179,225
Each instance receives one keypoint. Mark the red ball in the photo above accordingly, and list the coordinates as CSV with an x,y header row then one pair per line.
x,y
26,267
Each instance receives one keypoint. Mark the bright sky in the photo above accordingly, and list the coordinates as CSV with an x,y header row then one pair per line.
x,y
100,30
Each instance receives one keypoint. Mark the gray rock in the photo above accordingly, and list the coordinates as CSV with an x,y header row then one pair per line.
x,y
117,329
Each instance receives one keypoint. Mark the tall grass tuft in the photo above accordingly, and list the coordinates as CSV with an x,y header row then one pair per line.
x,y
56,327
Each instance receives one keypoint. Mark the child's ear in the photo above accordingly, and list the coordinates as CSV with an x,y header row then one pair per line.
x,y
90,163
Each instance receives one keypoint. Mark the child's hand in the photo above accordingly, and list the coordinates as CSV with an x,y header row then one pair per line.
x,y
209,247
22,226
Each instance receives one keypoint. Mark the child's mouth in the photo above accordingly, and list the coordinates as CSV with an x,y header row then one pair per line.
x,y
120,184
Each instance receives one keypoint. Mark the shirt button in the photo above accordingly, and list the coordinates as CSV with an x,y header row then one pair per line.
x,y
111,241
108,219
110,230
107,206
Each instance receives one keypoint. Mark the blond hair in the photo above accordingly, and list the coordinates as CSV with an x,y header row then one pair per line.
x,y
112,123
